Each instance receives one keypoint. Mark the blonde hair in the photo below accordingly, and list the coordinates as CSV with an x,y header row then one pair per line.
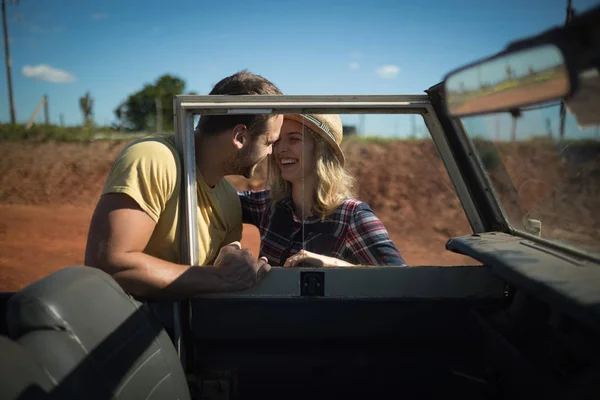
x,y
333,185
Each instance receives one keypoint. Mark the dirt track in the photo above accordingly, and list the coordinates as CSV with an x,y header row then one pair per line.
x,y
48,192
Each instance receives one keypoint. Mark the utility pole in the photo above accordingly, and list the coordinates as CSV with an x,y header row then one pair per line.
x,y
8,64
549,128
515,114
563,111
497,129
362,124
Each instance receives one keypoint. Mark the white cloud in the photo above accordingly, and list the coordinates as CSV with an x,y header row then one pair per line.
x,y
388,71
354,65
99,16
47,73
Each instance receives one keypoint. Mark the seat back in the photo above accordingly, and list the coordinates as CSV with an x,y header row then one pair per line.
x,y
21,376
94,340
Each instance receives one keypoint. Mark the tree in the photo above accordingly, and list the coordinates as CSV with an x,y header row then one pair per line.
x,y
86,103
138,112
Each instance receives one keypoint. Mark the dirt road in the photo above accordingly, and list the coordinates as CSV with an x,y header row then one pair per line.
x,y
38,240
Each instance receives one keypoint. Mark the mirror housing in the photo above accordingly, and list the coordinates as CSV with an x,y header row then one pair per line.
x,y
574,46
509,80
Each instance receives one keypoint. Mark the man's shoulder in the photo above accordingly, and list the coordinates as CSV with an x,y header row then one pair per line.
x,y
227,189
147,170
158,147
157,141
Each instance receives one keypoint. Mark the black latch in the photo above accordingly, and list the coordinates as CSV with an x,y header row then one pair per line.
x,y
312,283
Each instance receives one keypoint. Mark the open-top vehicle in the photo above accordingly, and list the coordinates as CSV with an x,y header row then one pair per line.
x,y
525,323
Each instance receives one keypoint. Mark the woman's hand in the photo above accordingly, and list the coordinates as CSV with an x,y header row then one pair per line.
x,y
306,258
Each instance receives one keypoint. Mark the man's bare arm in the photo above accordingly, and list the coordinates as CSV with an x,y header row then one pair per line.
x,y
119,232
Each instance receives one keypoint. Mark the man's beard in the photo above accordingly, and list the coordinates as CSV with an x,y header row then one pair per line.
x,y
242,166
247,172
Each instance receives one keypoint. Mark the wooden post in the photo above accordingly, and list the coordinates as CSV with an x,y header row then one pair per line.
x,y
46,113
34,115
513,134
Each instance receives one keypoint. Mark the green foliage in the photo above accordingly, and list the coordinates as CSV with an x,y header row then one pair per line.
x,y
138,112
42,133
86,103
488,153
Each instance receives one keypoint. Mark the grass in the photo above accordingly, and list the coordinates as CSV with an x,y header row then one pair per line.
x,y
43,133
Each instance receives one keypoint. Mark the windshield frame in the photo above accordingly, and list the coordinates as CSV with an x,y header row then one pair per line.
x,y
187,106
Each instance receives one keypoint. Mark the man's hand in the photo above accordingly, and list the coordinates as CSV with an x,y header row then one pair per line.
x,y
309,259
237,267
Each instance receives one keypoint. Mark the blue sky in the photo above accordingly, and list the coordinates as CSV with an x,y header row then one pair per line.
x,y
111,48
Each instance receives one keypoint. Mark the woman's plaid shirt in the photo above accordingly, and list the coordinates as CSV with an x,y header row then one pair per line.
x,y
352,232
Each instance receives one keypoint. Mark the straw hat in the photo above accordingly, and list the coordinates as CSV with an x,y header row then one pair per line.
x,y
328,126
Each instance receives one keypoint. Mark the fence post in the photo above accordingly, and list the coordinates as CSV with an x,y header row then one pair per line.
x,y
46,112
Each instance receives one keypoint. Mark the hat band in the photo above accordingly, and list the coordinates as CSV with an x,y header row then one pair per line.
x,y
321,125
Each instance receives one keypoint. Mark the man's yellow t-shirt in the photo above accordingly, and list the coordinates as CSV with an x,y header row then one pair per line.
x,y
149,170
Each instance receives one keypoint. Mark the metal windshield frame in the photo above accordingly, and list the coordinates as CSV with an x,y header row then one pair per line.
x,y
185,107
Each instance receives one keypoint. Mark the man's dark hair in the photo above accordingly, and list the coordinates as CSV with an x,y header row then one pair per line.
x,y
240,83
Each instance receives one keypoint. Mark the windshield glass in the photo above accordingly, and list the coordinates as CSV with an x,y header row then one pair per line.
x,y
543,180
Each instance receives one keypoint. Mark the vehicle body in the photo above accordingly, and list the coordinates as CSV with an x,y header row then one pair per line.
x,y
523,324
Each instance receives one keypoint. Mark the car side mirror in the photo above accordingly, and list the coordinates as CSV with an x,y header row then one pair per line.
x,y
509,80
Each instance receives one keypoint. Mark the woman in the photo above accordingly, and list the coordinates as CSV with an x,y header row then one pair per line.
x,y
309,183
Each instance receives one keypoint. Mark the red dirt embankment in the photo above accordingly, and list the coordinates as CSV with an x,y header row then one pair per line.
x,y
48,192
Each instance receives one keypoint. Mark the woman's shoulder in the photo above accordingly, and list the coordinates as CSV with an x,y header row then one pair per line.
x,y
354,205
255,199
351,209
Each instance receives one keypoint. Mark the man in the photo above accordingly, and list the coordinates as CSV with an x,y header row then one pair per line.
x,y
133,234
